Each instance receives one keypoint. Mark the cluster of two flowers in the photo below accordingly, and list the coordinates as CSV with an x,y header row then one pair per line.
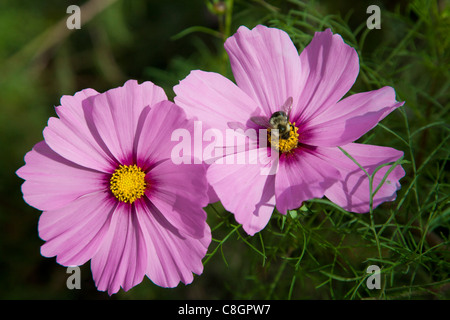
x,y
109,192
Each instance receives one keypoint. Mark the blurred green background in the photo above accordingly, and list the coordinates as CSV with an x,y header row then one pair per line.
x,y
161,41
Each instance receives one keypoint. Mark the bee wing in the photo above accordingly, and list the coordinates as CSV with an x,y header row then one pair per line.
x,y
287,106
235,125
261,121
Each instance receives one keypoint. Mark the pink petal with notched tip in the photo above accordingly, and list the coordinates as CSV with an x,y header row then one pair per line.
x,y
329,68
75,232
172,257
352,191
350,118
52,182
266,66
122,258
72,106
71,137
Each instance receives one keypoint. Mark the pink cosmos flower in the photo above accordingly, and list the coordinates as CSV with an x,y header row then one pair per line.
x,y
110,193
270,73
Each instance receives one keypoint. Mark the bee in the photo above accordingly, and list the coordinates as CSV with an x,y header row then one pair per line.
x,y
278,120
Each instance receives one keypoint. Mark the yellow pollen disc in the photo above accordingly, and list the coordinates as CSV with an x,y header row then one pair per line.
x,y
127,183
285,145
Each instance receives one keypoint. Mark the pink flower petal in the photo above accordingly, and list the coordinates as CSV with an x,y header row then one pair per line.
x,y
352,191
115,115
71,137
302,176
71,110
215,103
244,190
122,258
179,192
155,131
350,118
213,99
329,68
266,66
74,233
172,257
52,182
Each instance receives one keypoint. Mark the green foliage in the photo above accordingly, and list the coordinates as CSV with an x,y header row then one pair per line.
x,y
319,251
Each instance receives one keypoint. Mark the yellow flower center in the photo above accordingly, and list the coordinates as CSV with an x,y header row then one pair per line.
x,y
127,183
285,145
